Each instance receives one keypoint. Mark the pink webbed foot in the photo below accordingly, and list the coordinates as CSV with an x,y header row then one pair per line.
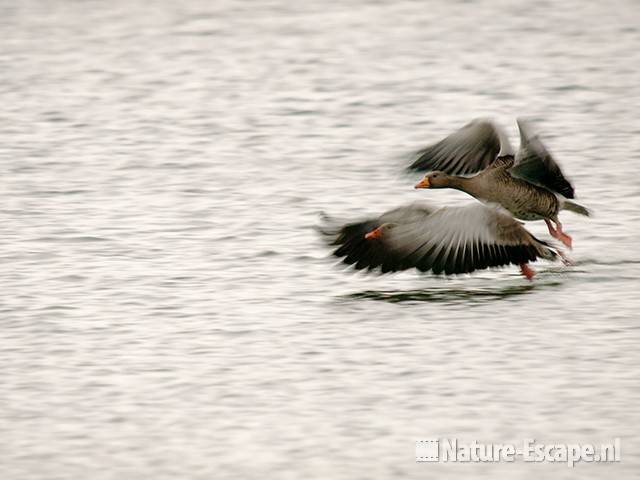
x,y
566,239
527,271
558,234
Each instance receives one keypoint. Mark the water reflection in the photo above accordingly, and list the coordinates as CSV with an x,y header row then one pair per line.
x,y
451,295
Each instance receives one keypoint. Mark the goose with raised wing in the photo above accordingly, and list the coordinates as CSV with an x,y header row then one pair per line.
x,y
449,240
479,160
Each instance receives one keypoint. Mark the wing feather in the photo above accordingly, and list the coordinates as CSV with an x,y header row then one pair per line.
x,y
448,240
469,150
534,163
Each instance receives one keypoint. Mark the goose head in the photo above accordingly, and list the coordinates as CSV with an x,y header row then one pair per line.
x,y
435,180
380,231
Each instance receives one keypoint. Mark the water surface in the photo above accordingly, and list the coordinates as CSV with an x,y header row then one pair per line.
x,y
167,306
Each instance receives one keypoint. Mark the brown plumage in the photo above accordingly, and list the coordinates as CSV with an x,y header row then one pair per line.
x,y
530,184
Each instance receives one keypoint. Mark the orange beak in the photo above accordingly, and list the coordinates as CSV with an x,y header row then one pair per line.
x,y
374,233
424,183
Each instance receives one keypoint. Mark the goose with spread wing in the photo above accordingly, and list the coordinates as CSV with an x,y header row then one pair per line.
x,y
479,160
447,240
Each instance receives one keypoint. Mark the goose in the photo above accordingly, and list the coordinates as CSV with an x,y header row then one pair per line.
x,y
449,240
530,184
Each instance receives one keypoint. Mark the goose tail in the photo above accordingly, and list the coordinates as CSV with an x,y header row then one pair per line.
x,y
575,208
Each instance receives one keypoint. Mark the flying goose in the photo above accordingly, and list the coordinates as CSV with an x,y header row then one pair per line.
x,y
530,185
445,240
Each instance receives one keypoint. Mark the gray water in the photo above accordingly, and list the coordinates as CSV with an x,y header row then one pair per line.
x,y
167,309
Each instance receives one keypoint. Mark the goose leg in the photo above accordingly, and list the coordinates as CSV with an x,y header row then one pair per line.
x,y
563,237
527,271
552,231
558,234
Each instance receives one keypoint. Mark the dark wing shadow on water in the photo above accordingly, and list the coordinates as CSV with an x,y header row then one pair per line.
x,y
453,295
486,290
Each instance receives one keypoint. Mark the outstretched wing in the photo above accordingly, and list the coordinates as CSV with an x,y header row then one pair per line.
x,y
469,150
370,254
447,240
535,164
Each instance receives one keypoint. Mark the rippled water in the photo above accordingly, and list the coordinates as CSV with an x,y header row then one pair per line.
x,y
167,307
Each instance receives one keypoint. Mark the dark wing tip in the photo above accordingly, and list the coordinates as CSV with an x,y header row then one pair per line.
x,y
534,163
567,189
354,249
